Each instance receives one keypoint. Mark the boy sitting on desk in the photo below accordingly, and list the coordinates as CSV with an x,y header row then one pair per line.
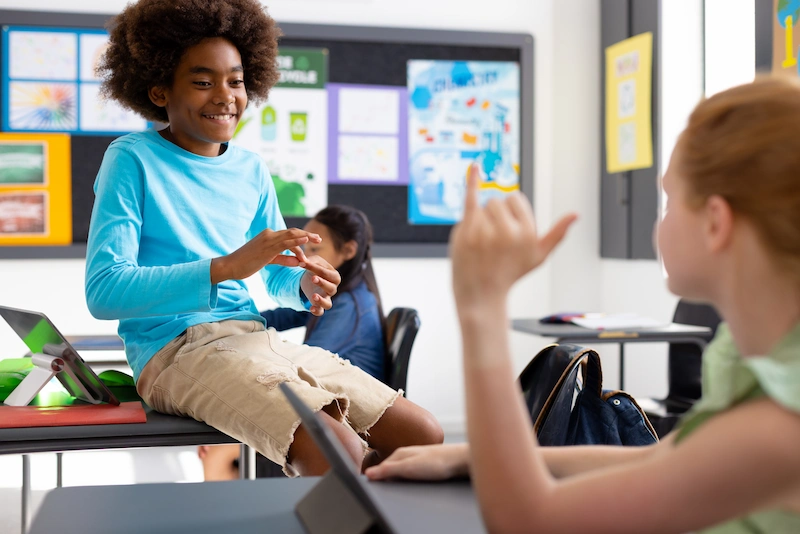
x,y
181,218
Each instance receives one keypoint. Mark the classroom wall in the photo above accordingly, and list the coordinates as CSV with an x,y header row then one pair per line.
x,y
566,148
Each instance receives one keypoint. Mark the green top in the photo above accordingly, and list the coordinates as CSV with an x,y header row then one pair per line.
x,y
730,379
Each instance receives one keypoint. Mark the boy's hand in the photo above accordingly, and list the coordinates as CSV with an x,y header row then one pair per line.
x,y
494,246
265,248
319,283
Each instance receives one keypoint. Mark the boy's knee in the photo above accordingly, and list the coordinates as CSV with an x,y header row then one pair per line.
x,y
353,446
430,431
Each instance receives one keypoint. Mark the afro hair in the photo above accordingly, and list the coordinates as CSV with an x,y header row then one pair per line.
x,y
148,39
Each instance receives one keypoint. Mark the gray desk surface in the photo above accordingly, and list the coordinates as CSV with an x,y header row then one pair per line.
x,y
670,332
159,431
243,507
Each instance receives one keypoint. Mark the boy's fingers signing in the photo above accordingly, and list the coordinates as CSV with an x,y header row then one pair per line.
x,y
319,284
267,247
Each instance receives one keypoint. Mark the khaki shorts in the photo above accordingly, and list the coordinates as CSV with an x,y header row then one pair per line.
x,y
226,374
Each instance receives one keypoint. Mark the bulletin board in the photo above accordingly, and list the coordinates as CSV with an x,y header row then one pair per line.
x,y
368,66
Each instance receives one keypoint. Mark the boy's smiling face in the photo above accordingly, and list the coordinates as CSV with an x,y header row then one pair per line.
x,y
207,97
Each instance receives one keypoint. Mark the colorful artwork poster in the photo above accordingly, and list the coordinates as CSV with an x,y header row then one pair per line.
x,y
289,132
368,134
50,83
460,112
629,132
785,45
35,189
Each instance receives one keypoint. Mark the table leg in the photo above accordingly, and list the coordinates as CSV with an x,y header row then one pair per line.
x,y
59,469
26,492
622,366
245,463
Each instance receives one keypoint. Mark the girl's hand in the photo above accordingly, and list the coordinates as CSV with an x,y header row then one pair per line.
x,y
319,283
425,462
267,247
493,247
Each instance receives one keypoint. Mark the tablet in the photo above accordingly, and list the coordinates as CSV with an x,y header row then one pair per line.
x,y
42,337
342,466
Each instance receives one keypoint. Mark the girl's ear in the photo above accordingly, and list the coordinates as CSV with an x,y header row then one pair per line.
x,y
158,96
719,223
349,249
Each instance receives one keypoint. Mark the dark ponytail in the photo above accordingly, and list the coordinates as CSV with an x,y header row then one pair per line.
x,y
345,223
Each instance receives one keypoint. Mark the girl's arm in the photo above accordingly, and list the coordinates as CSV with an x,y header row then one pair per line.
x,y
731,466
440,462
285,318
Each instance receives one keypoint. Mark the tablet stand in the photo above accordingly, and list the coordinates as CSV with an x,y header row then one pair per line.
x,y
45,368
330,507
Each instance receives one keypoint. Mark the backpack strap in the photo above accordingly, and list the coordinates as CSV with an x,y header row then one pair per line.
x,y
579,355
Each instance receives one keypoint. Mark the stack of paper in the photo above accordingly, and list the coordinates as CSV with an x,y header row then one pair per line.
x,y
615,321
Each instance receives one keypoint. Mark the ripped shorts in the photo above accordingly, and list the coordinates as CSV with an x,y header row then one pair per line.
x,y
226,374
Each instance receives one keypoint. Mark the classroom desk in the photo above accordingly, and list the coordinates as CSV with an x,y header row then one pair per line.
x,y
570,333
159,431
244,507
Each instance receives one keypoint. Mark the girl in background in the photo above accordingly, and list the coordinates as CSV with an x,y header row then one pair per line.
x,y
354,326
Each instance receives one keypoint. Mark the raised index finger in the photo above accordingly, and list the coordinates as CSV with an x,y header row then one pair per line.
x,y
471,200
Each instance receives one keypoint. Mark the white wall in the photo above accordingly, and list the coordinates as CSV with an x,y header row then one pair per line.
x,y
566,148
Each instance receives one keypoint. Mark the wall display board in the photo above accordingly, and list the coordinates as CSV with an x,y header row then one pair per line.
x,y
383,119
786,37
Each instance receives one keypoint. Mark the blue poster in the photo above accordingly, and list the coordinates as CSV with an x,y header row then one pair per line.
x,y
460,112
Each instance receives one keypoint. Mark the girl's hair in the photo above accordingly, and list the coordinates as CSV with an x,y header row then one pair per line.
x,y
148,39
345,223
743,145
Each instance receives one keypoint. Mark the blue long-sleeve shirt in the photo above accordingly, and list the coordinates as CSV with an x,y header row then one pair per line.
x,y
351,328
161,214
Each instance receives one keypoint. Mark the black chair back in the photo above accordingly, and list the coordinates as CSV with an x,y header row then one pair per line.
x,y
685,359
402,325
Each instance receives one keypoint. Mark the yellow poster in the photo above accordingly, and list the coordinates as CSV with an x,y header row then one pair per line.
x,y
784,38
35,189
629,75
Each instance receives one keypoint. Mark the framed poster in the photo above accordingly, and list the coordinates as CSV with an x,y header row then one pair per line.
x,y
35,189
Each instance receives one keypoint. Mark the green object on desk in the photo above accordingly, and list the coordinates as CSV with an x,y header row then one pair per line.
x,y
113,378
14,370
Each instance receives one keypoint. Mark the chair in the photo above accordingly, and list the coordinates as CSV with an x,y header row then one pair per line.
x,y
684,369
402,325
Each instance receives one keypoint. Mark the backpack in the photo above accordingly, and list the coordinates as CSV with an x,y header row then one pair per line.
x,y
562,387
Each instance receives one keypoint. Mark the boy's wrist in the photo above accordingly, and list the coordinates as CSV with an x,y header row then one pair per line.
x,y
218,270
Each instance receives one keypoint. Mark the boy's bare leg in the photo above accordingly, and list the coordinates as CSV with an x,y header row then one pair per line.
x,y
401,425
305,456
218,461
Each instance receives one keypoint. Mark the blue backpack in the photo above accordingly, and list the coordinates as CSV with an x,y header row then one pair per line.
x,y
563,390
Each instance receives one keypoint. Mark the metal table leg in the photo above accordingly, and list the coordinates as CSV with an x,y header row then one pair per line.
x,y
59,469
622,366
246,463
26,493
